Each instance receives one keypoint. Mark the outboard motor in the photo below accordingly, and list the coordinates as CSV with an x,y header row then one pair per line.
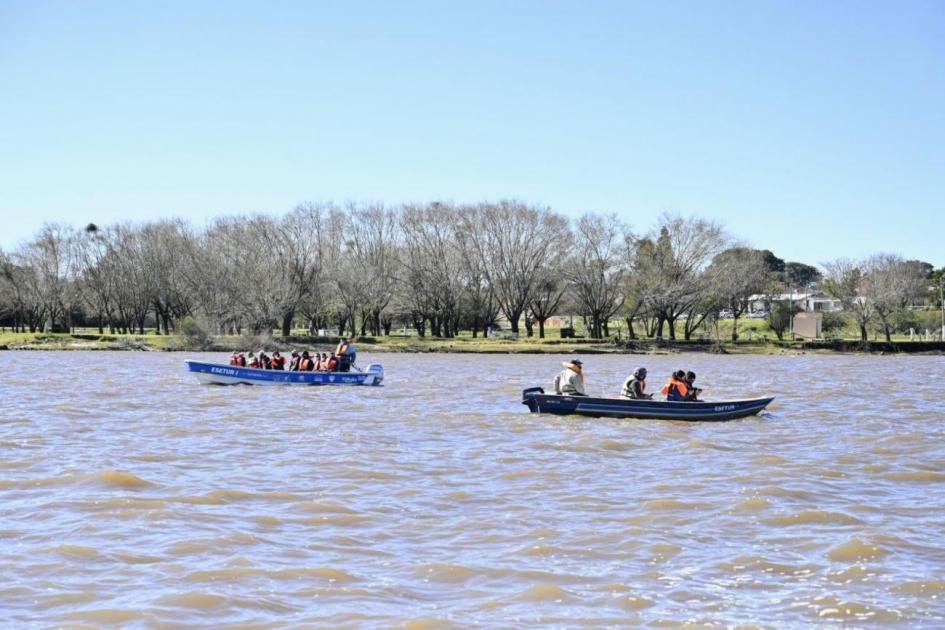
x,y
378,371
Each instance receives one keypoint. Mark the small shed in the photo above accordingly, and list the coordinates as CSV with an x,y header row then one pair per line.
x,y
808,325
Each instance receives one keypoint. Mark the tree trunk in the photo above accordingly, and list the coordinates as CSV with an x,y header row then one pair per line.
x,y
541,329
734,328
287,318
630,332
863,334
513,320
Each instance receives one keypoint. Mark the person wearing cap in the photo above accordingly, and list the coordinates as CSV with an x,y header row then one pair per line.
x,y
570,382
634,387
693,390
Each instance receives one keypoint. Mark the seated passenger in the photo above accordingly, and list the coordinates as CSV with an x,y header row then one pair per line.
x,y
331,364
693,390
252,361
319,364
264,361
294,363
235,358
634,388
278,361
306,364
570,382
241,360
676,389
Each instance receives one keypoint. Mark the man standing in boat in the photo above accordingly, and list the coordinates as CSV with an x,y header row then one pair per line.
x,y
570,382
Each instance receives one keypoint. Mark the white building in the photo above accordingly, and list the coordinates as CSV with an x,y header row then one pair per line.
x,y
814,301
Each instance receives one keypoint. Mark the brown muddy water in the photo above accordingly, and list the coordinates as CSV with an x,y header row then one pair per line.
x,y
131,495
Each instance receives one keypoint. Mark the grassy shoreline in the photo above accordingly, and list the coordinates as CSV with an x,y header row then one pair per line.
x,y
458,345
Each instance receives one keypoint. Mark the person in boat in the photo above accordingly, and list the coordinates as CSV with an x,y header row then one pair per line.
x,y
676,389
343,354
634,388
319,363
693,390
330,364
264,361
277,362
242,360
306,364
570,381
251,360
352,355
294,362
235,358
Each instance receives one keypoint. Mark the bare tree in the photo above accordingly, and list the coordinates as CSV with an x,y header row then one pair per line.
x,y
892,285
597,268
514,242
737,274
368,270
843,281
671,260
46,277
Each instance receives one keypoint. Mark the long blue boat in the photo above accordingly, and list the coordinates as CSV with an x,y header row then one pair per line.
x,y
540,402
220,374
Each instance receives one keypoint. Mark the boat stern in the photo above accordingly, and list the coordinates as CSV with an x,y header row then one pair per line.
x,y
529,398
378,371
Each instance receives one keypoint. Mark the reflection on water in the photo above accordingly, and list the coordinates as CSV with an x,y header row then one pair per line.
x,y
131,495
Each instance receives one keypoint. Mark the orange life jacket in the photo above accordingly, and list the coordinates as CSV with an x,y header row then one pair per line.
x,y
305,365
332,363
278,363
341,349
678,385
234,360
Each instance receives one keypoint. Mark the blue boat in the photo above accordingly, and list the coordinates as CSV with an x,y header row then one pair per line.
x,y
220,374
540,402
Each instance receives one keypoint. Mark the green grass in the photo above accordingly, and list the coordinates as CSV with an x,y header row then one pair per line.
x,y
755,337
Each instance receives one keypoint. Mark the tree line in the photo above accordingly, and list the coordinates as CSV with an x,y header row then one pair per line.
x,y
437,268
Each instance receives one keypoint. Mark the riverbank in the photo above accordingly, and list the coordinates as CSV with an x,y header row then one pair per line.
x,y
462,344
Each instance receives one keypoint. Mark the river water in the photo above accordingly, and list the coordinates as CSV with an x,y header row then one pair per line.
x,y
131,495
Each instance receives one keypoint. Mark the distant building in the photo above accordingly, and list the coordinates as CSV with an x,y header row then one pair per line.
x,y
808,325
815,301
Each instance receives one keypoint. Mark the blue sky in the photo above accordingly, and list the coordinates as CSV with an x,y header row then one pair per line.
x,y
814,129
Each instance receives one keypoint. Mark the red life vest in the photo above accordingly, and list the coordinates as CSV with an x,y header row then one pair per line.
x,y
305,365
241,361
332,363
278,363
675,384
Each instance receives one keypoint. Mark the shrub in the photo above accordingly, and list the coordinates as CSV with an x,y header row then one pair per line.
x,y
195,335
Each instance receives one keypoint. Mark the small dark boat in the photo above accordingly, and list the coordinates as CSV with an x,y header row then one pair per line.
x,y
540,402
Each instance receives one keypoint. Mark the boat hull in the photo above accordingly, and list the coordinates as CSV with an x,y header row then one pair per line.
x,y
539,402
219,374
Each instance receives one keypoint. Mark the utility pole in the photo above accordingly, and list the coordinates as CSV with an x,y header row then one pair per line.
x,y
941,288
